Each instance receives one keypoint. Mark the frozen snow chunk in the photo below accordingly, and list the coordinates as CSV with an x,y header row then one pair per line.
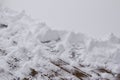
x,y
99,44
61,48
50,35
116,56
40,29
17,17
76,38
114,39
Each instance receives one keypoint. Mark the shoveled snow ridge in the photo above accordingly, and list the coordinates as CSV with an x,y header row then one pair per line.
x,y
30,50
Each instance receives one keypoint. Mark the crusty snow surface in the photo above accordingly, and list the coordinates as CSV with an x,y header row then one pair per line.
x,y
30,50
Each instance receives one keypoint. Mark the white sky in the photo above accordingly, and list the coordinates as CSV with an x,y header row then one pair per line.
x,y
93,17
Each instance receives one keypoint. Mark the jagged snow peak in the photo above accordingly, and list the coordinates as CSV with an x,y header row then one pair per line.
x,y
30,50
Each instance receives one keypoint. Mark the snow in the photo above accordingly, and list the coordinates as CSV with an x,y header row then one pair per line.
x,y
50,35
31,50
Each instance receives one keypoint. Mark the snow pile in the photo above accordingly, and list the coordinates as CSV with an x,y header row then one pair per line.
x,y
30,50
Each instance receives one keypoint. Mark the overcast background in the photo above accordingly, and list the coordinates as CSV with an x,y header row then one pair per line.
x,y
93,17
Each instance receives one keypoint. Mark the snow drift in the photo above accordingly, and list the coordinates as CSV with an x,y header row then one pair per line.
x,y
30,50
